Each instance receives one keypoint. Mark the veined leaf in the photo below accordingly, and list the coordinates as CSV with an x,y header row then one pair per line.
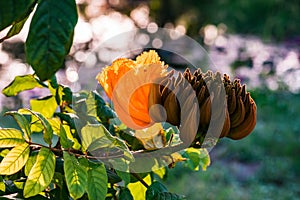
x,y
15,159
2,185
30,162
10,137
96,137
14,11
46,106
97,181
21,83
76,176
22,122
50,36
41,174
48,131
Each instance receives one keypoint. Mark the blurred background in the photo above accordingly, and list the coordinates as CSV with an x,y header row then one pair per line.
x,y
256,41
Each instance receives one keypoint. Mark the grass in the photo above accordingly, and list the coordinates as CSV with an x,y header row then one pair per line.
x,y
265,165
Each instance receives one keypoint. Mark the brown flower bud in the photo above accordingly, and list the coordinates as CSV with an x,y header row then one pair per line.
x,y
226,109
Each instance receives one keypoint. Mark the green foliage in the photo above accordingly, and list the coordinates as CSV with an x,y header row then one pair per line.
x,y
14,11
71,146
50,36
270,19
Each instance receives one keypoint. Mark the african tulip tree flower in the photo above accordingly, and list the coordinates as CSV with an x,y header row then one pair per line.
x,y
136,85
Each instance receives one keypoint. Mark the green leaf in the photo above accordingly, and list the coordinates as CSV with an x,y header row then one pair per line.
x,y
196,158
50,36
125,194
122,168
10,137
30,162
157,191
21,83
46,106
15,159
64,140
14,11
76,176
97,181
41,174
48,131
96,106
15,29
22,122
95,137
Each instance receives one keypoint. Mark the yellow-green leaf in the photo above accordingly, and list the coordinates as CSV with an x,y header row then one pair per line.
x,y
21,83
15,159
2,185
10,137
46,106
76,176
138,190
41,174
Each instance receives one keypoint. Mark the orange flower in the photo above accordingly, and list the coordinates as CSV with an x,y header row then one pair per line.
x,y
128,83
